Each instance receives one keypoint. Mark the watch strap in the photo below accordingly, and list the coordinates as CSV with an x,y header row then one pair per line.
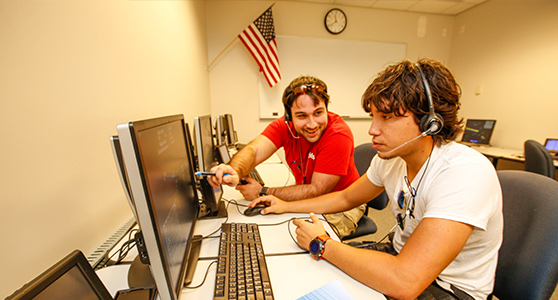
x,y
263,191
320,241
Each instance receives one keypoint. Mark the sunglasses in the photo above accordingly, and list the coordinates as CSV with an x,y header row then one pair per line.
x,y
406,204
302,89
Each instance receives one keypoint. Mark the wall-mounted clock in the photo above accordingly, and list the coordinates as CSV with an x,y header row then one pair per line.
x,y
335,21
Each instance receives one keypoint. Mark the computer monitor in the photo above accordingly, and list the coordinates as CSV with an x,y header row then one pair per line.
x,y
121,168
205,147
161,175
478,131
220,131
70,278
224,155
231,133
552,146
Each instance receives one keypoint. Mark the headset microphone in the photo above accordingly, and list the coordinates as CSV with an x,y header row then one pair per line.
x,y
425,133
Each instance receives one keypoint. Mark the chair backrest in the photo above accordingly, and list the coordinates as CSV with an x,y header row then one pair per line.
x,y
528,259
363,156
538,159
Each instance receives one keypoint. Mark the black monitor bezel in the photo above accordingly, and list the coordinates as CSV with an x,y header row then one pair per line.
x,y
52,274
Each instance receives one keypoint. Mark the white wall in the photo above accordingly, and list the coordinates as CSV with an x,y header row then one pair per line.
x,y
70,71
510,50
234,75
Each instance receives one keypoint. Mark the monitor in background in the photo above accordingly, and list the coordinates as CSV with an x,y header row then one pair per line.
x,y
205,147
70,278
478,132
552,146
232,138
212,205
121,168
224,155
161,175
220,131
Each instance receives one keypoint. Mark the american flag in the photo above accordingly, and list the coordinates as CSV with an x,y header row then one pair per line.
x,y
259,39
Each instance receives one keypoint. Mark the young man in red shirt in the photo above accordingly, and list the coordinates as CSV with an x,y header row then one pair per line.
x,y
318,148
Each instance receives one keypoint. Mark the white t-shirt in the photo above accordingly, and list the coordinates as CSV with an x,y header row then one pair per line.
x,y
458,184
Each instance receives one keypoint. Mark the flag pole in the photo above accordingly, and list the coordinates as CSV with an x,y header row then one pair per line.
x,y
227,47
220,53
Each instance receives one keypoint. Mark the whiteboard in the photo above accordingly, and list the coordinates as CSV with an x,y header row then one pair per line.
x,y
346,66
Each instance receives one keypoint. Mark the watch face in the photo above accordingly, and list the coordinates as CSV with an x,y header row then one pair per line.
x,y
314,247
335,21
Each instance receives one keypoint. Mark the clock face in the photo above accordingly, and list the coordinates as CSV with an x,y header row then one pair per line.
x,y
335,21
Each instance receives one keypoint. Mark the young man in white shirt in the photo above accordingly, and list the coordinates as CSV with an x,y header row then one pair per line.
x,y
445,197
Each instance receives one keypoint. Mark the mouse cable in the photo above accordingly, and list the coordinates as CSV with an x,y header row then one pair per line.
x,y
204,277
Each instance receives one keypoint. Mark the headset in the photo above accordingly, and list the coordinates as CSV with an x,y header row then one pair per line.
x,y
286,96
432,123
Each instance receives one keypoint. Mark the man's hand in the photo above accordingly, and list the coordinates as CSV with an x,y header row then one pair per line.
x,y
306,231
274,204
250,190
220,178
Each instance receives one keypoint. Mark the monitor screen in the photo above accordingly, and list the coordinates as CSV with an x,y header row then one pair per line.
x,y
161,176
224,155
70,278
551,145
231,133
205,147
478,131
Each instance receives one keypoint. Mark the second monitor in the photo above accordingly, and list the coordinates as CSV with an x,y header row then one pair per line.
x,y
478,131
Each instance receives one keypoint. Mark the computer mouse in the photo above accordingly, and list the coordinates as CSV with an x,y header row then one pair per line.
x,y
254,211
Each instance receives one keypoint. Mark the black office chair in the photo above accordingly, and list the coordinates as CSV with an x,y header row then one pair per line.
x,y
363,155
528,259
538,159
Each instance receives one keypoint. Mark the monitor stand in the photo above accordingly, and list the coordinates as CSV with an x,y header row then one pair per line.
x,y
139,274
220,213
193,257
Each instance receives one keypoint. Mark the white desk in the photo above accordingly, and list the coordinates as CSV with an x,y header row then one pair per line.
x,y
293,272
495,153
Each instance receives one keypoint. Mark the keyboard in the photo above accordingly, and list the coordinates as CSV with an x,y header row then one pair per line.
x,y
241,267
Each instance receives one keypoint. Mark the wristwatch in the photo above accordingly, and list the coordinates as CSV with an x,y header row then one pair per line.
x,y
263,191
317,246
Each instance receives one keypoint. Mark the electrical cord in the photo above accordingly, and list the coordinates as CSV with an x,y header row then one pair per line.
x,y
204,277
123,251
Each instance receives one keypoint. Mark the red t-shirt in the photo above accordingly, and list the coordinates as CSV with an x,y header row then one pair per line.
x,y
331,154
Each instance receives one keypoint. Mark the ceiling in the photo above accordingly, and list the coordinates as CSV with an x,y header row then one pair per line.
x,y
444,7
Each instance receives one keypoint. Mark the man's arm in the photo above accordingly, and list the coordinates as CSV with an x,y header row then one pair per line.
x,y
434,244
258,150
321,184
360,192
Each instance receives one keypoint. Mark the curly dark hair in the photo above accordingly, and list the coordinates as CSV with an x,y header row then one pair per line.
x,y
288,94
399,88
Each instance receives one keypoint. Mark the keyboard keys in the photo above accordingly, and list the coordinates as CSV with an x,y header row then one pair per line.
x,y
241,267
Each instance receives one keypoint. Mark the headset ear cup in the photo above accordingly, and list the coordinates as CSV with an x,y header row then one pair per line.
x,y
288,114
431,123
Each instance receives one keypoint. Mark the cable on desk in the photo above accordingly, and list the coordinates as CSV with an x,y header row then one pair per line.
x,y
226,219
204,277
